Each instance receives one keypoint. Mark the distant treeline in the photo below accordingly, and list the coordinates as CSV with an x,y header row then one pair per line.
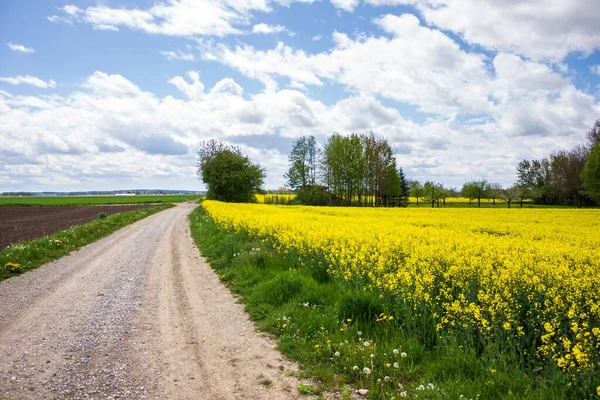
x,y
565,177
361,170
349,170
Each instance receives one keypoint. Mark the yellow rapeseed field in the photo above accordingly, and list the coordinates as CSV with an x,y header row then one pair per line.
x,y
274,198
528,278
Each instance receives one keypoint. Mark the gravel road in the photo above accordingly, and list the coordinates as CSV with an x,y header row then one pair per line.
x,y
136,315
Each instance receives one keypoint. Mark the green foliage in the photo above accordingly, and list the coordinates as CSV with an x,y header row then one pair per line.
x,y
416,190
303,161
404,188
477,189
32,254
360,306
312,196
102,215
229,175
591,173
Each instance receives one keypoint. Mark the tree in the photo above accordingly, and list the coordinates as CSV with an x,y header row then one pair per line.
x,y
594,134
591,173
432,192
510,194
303,163
495,191
404,189
476,190
416,190
229,175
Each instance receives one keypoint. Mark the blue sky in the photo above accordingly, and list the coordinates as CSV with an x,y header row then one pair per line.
x,y
118,94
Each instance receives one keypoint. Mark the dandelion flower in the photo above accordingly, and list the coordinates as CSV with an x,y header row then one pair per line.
x,y
367,371
366,344
403,355
355,368
396,351
337,354
404,394
396,365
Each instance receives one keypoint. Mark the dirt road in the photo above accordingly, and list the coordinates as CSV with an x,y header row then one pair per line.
x,y
136,315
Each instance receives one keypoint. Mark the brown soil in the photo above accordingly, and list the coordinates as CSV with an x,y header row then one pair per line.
x,y
27,223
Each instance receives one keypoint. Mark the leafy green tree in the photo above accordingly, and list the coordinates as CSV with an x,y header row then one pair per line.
x,y
229,175
494,191
303,163
476,190
591,173
416,190
432,192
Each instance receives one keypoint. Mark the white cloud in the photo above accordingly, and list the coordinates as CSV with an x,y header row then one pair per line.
x,y
20,48
56,19
178,55
417,65
105,27
346,5
267,29
595,69
62,141
178,17
28,80
536,29
194,91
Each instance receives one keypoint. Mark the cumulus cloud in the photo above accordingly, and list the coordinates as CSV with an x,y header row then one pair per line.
x,y
268,29
536,29
346,5
595,69
178,55
417,65
20,48
28,80
177,17
112,129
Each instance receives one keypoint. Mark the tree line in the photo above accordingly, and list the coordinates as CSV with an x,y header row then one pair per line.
x,y
568,177
361,170
354,170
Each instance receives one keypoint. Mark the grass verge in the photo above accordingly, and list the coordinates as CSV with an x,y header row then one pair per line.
x,y
24,256
342,335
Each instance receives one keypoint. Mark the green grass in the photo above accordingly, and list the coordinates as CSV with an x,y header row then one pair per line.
x,y
323,323
91,200
24,256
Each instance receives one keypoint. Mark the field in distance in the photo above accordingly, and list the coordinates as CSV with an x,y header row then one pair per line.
x,y
92,200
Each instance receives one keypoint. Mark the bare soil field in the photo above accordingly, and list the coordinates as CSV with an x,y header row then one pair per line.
x,y
26,223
